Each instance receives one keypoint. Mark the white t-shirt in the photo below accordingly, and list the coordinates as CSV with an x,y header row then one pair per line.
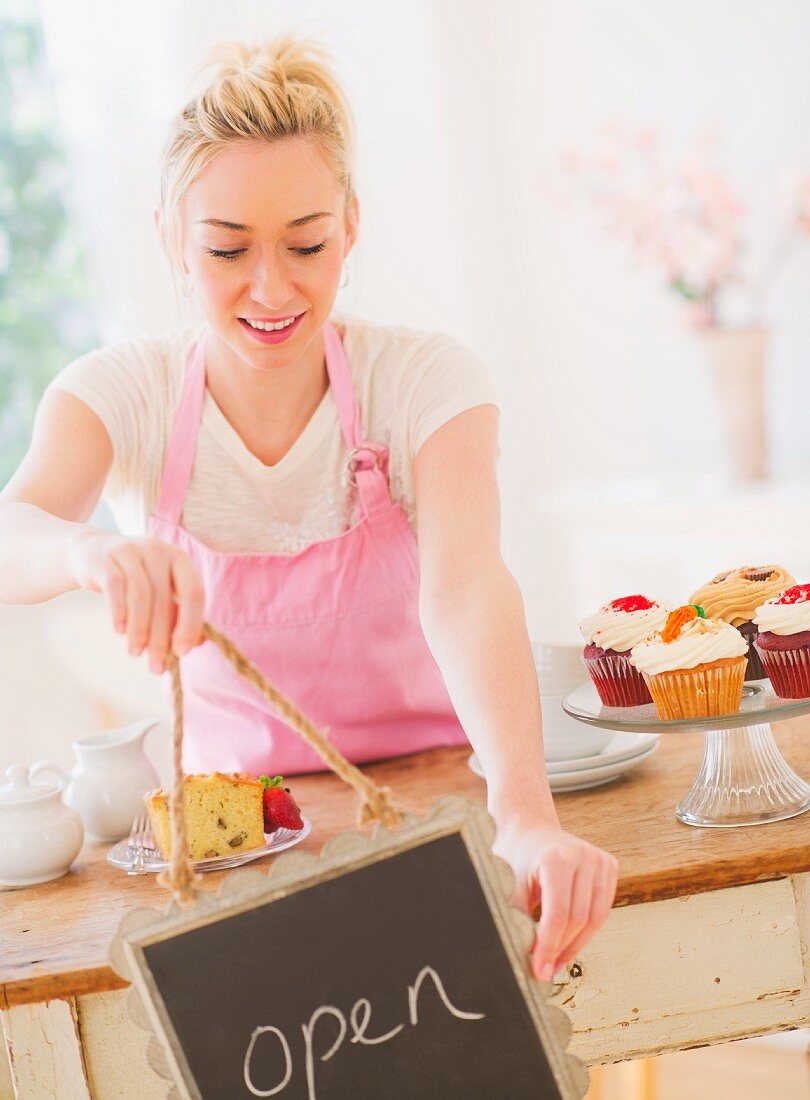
x,y
408,383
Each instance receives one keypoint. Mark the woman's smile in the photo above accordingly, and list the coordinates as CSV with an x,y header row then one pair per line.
x,y
262,331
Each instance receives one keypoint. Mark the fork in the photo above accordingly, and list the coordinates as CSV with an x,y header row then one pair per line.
x,y
137,843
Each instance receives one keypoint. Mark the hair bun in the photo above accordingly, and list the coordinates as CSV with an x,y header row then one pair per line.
x,y
285,58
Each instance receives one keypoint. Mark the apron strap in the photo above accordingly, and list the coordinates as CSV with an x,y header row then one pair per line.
x,y
183,441
367,462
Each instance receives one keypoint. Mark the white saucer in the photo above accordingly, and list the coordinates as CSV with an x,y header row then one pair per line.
x,y
623,746
579,778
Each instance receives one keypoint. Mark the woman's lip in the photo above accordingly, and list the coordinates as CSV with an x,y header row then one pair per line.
x,y
277,336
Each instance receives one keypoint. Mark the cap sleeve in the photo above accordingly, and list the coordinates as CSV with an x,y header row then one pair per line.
x,y
445,379
121,383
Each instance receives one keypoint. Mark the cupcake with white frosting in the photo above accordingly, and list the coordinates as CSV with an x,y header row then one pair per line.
x,y
609,636
694,667
783,642
734,596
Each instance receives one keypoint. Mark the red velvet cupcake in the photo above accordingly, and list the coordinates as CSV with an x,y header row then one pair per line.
x,y
783,643
609,636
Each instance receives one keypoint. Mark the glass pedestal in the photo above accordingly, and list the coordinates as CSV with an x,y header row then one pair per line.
x,y
743,778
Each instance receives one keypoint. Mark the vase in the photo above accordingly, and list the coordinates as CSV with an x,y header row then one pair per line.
x,y
737,361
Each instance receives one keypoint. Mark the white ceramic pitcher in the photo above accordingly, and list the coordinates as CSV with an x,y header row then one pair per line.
x,y
111,776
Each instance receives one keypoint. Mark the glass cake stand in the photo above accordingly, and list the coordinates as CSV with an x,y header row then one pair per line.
x,y
743,778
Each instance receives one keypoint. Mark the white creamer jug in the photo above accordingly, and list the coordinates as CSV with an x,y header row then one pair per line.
x,y
39,835
111,776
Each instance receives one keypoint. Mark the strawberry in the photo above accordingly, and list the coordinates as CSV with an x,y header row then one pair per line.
x,y
280,810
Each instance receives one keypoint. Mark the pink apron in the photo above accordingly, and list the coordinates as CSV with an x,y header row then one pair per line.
x,y
335,626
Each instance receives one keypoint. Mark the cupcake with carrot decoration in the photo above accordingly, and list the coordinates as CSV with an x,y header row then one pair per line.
x,y
609,636
694,667
734,597
783,642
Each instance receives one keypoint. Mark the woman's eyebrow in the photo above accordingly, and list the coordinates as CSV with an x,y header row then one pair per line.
x,y
220,224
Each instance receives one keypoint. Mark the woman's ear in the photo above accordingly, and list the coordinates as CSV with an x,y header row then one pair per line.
x,y
352,223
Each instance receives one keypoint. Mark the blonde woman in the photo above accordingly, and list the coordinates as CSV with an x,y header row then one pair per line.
x,y
269,468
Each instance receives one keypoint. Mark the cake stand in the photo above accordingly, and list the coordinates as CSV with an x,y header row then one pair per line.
x,y
743,779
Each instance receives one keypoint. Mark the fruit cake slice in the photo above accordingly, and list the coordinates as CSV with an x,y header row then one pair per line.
x,y
223,812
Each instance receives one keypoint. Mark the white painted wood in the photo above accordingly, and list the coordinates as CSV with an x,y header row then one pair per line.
x,y
6,1087
648,981
45,1051
115,1050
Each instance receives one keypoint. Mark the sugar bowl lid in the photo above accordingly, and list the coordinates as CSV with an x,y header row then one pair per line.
x,y
20,789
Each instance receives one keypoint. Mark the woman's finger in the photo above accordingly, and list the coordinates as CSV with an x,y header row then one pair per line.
x,y
601,905
579,914
556,877
114,589
158,566
139,597
190,597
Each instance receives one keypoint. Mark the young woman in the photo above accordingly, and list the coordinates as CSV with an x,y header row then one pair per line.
x,y
269,468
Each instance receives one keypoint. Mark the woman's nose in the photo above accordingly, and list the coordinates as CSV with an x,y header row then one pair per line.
x,y
271,284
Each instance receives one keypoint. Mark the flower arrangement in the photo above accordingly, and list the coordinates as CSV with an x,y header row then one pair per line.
x,y
686,220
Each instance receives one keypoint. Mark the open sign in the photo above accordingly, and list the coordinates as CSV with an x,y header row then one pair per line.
x,y
385,969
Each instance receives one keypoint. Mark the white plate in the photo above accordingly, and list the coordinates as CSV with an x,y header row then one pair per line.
x,y
623,746
121,854
582,778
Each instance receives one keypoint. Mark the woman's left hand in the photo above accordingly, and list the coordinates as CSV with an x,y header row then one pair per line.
x,y
573,882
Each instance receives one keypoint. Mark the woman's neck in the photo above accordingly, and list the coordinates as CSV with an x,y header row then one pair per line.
x,y
267,409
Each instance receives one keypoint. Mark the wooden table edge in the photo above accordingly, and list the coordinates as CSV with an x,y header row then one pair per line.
x,y
632,891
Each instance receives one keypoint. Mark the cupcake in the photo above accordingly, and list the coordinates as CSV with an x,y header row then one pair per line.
x,y
609,636
784,641
735,595
694,667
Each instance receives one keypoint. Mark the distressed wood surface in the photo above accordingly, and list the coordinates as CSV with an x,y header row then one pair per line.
x,y
661,977
45,1051
54,937
647,985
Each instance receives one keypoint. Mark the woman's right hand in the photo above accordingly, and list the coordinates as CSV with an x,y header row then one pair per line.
x,y
153,591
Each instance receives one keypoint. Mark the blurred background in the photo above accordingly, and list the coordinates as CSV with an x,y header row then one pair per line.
x,y
609,203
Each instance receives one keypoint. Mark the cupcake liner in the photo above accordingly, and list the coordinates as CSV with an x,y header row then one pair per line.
x,y
789,671
617,682
711,689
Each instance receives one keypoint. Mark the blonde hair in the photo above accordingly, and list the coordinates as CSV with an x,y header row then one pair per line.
x,y
281,88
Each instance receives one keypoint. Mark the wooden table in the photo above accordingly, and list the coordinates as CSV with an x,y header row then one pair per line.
x,y
707,942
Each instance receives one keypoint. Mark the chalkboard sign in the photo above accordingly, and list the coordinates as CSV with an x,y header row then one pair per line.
x,y
386,969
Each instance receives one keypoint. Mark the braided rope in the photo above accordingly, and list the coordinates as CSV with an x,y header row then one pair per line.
x,y
374,805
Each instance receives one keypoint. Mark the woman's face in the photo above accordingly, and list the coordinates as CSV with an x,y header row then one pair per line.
x,y
265,229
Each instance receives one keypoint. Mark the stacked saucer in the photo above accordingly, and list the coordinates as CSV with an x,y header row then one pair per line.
x,y
578,755
624,752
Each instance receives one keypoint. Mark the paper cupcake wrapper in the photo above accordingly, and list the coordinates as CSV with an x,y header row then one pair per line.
x,y
617,682
789,671
709,689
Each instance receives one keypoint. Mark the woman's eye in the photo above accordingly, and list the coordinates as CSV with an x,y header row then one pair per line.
x,y
222,254
310,251
231,254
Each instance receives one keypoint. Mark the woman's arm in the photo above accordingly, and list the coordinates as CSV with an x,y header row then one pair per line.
x,y
47,547
472,614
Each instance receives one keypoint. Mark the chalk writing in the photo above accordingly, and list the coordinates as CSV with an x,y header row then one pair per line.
x,y
358,1020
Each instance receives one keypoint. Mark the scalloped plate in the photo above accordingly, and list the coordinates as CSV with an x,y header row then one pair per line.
x,y
122,855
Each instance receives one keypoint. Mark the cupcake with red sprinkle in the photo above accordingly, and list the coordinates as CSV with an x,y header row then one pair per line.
x,y
783,642
609,636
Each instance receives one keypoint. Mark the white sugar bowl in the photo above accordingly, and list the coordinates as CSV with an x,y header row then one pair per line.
x,y
39,835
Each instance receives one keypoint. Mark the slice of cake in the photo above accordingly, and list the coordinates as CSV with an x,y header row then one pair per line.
x,y
224,815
